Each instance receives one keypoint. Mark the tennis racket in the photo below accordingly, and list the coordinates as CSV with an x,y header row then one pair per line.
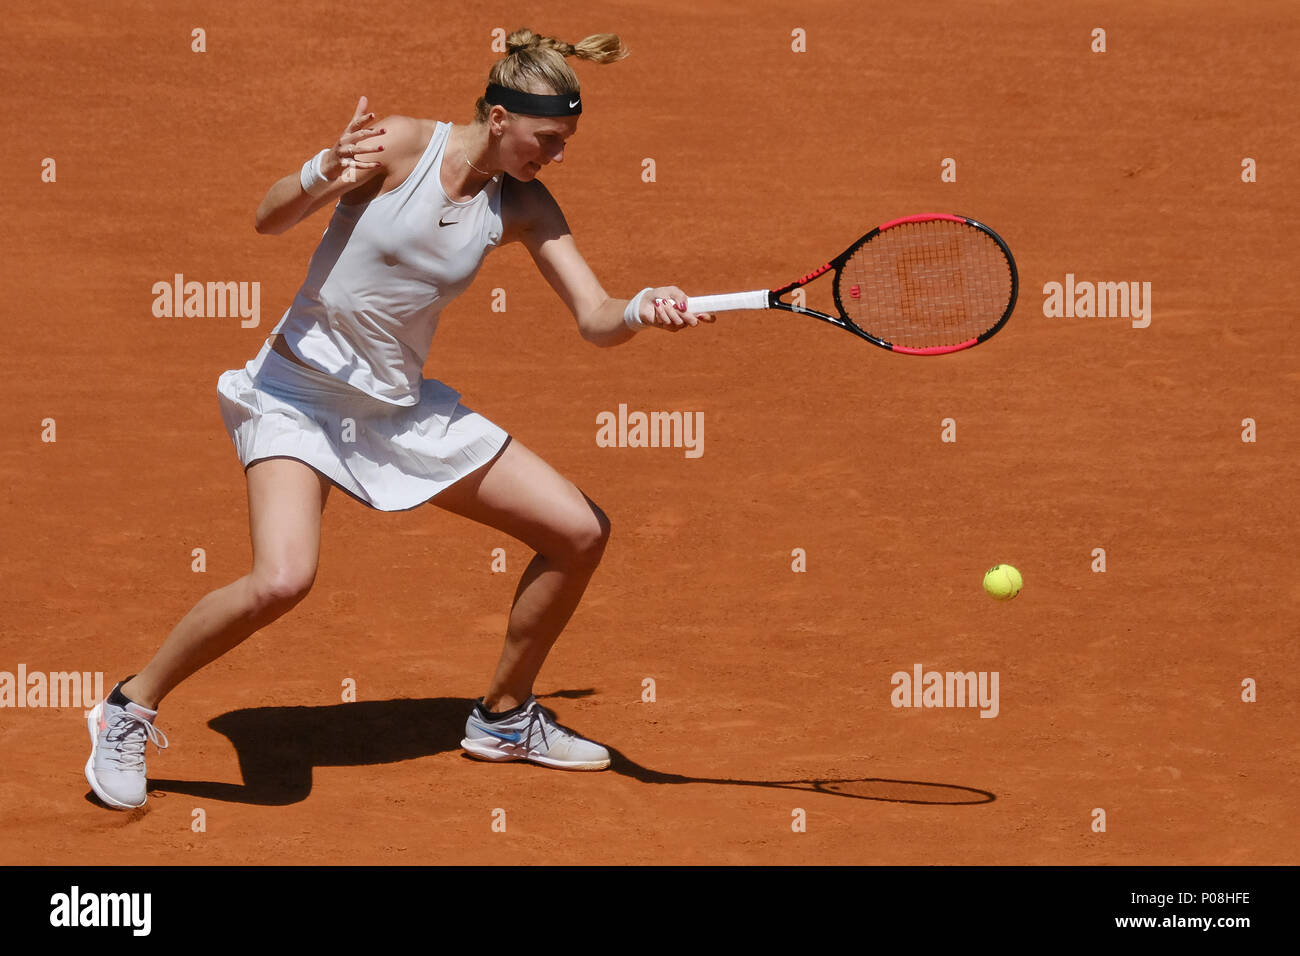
x,y
922,285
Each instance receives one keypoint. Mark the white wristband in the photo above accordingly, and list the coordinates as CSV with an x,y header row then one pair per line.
x,y
632,314
312,179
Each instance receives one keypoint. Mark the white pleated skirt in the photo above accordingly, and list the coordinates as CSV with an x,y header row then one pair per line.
x,y
390,457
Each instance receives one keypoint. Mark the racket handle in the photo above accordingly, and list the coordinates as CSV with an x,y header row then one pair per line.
x,y
728,302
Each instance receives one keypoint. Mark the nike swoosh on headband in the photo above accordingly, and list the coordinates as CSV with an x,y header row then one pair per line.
x,y
574,103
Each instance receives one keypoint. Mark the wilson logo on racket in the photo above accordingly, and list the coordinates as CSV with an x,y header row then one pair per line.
x,y
921,285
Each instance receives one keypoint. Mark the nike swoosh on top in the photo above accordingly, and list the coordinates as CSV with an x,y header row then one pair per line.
x,y
452,223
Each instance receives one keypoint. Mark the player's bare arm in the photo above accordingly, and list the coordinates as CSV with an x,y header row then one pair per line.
x,y
375,152
539,224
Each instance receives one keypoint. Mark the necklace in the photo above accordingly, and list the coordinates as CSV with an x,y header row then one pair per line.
x,y
473,167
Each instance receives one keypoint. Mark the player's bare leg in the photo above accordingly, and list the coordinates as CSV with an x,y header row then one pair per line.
x,y
285,501
520,494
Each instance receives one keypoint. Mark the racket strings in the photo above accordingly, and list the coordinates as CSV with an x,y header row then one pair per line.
x,y
927,284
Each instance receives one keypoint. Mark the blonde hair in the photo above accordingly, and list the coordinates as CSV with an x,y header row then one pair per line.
x,y
531,59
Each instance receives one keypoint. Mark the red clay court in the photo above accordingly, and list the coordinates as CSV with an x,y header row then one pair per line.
x,y
1119,690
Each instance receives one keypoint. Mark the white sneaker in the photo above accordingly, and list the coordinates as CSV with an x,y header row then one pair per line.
x,y
118,733
532,734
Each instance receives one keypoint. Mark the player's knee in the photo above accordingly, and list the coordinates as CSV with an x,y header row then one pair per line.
x,y
587,541
279,589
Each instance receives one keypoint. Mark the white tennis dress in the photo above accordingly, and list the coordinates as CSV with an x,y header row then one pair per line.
x,y
363,414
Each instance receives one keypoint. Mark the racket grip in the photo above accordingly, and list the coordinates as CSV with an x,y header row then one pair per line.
x,y
728,302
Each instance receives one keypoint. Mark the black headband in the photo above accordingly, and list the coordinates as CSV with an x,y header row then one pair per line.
x,y
533,104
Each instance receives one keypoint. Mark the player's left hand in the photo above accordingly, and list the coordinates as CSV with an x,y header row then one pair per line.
x,y
665,308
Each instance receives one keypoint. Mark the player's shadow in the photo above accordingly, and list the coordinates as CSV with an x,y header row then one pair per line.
x,y
278,747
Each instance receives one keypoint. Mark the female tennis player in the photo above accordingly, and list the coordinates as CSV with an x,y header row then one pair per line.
x,y
336,396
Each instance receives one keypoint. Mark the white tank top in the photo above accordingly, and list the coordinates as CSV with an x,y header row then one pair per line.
x,y
384,269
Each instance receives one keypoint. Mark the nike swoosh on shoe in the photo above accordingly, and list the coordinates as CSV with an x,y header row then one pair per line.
x,y
512,737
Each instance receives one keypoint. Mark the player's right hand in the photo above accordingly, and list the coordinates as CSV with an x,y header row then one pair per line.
x,y
665,308
343,154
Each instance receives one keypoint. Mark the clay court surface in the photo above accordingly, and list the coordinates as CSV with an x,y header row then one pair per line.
x,y
1118,690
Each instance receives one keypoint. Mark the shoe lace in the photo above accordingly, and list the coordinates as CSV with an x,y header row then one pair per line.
x,y
539,716
129,733
544,718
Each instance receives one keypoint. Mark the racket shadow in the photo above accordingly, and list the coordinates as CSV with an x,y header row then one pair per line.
x,y
855,788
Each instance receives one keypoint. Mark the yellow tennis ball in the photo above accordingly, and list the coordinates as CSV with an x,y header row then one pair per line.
x,y
1002,582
